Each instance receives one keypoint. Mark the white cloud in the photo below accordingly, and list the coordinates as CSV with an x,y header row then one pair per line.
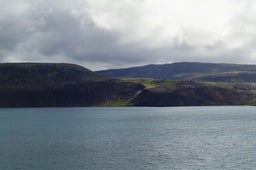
x,y
118,33
198,22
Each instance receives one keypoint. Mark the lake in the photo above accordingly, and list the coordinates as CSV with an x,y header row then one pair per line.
x,y
128,138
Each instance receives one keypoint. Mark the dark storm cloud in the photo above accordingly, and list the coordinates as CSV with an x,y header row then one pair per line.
x,y
12,32
58,32
100,34
64,34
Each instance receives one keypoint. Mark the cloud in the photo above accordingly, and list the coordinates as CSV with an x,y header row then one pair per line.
x,y
120,33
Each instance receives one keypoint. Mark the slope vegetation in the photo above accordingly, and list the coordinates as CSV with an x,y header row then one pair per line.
x,y
50,85
65,85
215,72
191,93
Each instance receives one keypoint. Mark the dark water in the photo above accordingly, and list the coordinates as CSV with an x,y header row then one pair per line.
x,y
128,138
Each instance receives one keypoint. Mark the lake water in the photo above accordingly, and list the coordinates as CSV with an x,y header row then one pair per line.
x,y
128,138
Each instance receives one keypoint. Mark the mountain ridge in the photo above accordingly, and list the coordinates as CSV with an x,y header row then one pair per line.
x,y
70,85
181,70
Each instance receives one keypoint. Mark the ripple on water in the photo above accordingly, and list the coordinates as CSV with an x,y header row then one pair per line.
x,y
128,138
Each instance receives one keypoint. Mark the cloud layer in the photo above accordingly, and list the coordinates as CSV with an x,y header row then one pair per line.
x,y
103,34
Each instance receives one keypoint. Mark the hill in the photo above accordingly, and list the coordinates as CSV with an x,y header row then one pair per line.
x,y
66,85
215,72
44,73
50,85
191,93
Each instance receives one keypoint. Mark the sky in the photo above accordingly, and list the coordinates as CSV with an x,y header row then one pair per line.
x,y
104,34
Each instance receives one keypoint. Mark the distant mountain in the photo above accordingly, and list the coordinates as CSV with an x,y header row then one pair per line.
x,y
215,72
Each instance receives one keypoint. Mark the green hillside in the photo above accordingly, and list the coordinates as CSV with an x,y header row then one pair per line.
x,y
214,72
66,85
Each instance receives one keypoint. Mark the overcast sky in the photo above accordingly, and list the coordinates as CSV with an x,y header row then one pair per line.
x,y
101,34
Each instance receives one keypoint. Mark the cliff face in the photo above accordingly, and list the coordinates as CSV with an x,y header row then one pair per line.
x,y
41,85
85,94
65,85
191,96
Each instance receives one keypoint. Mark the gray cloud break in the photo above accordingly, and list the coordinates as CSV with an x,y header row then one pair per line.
x,y
111,34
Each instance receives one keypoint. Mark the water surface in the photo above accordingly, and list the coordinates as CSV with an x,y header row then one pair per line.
x,y
128,138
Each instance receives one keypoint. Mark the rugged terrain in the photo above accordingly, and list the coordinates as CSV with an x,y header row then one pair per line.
x,y
193,93
65,85
41,85
214,72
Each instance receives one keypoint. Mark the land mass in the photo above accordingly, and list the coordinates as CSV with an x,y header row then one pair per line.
x,y
213,72
183,84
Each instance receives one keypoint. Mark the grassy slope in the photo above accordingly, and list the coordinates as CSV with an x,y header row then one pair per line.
x,y
215,72
50,85
191,93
